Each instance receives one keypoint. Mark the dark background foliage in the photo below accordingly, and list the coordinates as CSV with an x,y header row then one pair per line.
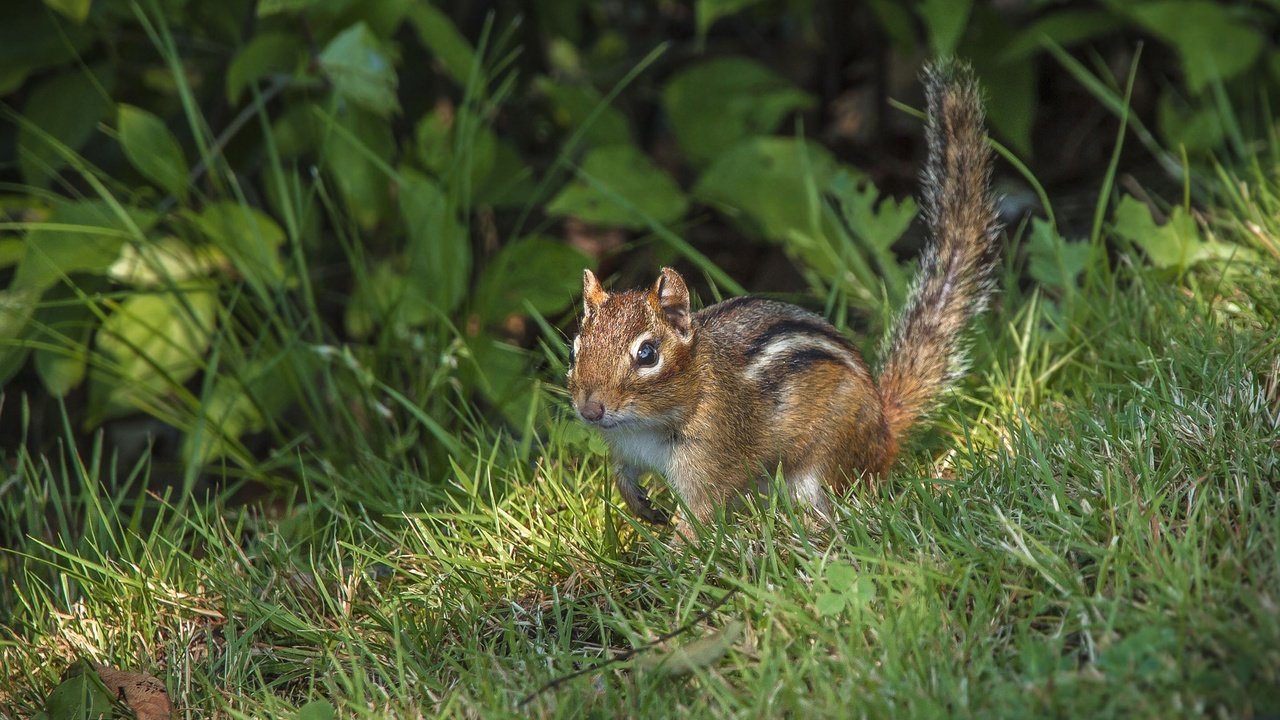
x,y
353,232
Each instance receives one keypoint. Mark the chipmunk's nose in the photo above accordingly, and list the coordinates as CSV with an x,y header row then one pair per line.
x,y
591,410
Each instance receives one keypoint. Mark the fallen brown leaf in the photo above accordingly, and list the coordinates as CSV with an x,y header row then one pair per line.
x,y
145,694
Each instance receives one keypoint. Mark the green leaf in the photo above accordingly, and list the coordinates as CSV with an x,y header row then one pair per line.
x,y
439,247
1009,86
897,21
437,32
11,251
272,7
355,153
1213,40
572,107
1065,27
152,343
878,220
81,695
716,104
84,236
694,655
74,10
16,309
267,54
501,372
1176,244
249,237
841,576
62,113
32,39
67,325
246,399
861,592
708,11
165,262
362,70
316,710
1052,261
773,181
829,603
620,186
540,271
1198,130
446,155
945,21
153,150
387,296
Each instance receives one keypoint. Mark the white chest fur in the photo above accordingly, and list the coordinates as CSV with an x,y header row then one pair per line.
x,y
642,447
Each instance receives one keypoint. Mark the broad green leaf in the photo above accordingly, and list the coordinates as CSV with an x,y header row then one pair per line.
x,y
1054,262
775,182
32,39
706,12
299,130
1065,27
437,32
165,262
84,236
355,151
577,107
153,150
1212,39
716,104
540,271
501,372
439,247
694,655
1009,87
65,324
897,21
153,343
387,296
945,21
620,186
362,70
316,710
509,183
829,603
16,309
11,251
81,695
841,576
1198,130
62,113
879,221
73,10
1176,244
246,400
267,54
447,156
861,592
272,7
249,237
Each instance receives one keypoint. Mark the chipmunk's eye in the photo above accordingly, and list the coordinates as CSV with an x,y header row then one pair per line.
x,y
647,354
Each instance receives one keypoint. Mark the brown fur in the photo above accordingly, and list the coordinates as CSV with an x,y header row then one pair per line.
x,y
748,386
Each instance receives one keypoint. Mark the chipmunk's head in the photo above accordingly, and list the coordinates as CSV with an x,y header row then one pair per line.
x,y
631,361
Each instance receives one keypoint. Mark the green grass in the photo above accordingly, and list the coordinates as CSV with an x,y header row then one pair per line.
x,y
1092,530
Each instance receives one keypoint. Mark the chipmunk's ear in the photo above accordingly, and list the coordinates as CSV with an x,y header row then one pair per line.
x,y
593,296
672,297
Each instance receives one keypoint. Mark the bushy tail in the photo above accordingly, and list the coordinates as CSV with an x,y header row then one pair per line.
x,y
925,352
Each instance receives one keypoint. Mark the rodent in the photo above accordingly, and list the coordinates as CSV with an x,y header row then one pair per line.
x,y
716,401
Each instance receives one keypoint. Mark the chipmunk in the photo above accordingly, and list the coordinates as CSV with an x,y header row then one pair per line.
x,y
716,401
